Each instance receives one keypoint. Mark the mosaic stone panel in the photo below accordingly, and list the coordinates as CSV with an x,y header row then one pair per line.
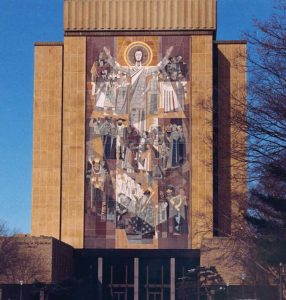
x,y
137,169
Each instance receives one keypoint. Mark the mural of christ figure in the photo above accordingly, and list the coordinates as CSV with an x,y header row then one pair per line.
x,y
138,74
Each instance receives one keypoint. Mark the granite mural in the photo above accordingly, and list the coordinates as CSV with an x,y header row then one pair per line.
x,y
137,142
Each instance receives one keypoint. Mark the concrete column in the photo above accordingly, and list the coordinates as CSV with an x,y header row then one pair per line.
x,y
173,278
136,278
99,278
42,295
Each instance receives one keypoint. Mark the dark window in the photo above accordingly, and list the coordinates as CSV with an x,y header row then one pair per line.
x,y
154,279
118,279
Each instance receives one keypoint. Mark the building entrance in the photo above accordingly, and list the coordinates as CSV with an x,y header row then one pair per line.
x,y
135,274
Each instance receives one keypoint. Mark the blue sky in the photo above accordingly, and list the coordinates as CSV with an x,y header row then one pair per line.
x,y
21,24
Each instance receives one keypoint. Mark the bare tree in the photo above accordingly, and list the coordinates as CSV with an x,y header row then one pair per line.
x,y
258,237
266,128
263,233
8,250
17,261
266,122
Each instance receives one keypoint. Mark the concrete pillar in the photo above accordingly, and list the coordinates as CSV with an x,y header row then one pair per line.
x,y
173,278
99,278
136,278
42,295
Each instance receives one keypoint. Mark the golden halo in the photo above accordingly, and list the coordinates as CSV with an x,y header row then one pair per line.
x,y
129,53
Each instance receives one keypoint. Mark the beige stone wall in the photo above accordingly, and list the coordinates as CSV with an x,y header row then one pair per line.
x,y
73,141
232,173
201,208
47,140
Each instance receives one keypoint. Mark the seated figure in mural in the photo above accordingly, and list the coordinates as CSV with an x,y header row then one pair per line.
x,y
143,222
138,74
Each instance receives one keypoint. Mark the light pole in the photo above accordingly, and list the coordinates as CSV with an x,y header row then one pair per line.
x,y
243,276
21,289
227,291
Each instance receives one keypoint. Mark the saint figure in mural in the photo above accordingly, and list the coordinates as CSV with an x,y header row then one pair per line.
x,y
174,88
138,74
176,139
178,211
153,92
97,175
108,134
120,139
103,93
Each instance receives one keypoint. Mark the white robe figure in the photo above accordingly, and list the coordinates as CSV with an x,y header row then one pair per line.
x,y
169,99
102,96
173,95
120,136
93,88
181,93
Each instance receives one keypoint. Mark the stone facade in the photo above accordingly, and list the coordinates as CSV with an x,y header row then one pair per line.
x,y
73,143
231,139
69,79
47,140
202,149
137,162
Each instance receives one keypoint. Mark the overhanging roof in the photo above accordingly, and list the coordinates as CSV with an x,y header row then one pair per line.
x,y
129,15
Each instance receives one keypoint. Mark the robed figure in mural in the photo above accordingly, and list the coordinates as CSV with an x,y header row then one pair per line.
x,y
138,75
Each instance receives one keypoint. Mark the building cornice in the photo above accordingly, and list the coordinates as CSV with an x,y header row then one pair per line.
x,y
235,42
138,32
48,44
110,15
